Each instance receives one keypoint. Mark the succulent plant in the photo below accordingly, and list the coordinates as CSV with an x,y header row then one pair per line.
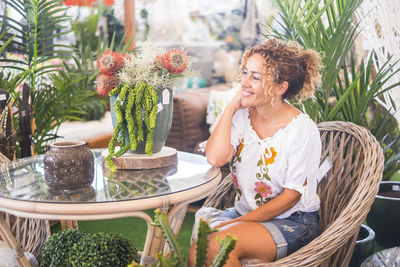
x,y
177,258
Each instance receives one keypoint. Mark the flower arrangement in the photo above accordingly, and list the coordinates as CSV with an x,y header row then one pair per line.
x,y
137,78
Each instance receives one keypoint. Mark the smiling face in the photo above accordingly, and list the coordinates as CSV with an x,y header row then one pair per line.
x,y
255,83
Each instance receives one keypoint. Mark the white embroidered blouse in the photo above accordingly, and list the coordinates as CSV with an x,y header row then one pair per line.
x,y
261,168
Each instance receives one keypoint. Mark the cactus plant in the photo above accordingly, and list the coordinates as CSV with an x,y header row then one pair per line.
x,y
177,258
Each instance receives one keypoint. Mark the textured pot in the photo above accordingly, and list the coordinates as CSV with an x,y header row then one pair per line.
x,y
162,127
68,165
364,246
384,216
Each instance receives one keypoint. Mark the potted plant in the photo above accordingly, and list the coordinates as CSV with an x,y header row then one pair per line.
x,y
364,247
140,86
384,216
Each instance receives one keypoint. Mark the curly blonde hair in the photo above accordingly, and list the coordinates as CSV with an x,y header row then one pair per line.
x,y
288,61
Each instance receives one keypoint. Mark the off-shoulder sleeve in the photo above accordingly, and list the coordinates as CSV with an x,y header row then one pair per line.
x,y
304,153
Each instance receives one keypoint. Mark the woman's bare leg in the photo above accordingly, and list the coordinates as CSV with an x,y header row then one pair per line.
x,y
254,241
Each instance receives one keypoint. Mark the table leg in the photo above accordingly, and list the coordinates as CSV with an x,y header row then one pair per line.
x,y
147,256
69,225
10,241
175,218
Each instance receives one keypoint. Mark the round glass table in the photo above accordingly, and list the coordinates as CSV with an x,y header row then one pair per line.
x,y
24,193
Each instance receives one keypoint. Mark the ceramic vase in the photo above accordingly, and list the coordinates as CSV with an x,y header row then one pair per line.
x,y
68,165
384,216
162,126
364,247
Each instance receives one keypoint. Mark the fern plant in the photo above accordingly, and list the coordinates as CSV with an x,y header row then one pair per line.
x,y
177,259
40,26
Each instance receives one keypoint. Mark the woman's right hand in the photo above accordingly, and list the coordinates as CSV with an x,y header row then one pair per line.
x,y
235,103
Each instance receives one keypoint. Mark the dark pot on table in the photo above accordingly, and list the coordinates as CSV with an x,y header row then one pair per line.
x,y
68,165
384,216
364,246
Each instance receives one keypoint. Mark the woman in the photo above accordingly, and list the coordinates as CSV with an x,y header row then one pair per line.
x,y
274,151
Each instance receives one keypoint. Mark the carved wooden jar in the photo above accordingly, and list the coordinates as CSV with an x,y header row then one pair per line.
x,y
69,165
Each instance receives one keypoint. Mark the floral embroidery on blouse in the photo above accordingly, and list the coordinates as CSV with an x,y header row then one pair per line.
x,y
266,158
269,156
261,188
236,184
235,180
236,158
263,191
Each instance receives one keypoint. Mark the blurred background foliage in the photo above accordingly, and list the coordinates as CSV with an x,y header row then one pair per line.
x,y
349,89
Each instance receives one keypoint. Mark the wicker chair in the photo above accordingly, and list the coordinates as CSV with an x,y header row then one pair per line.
x,y
29,233
346,192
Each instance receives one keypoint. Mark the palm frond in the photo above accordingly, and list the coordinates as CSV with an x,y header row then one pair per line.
x,y
40,25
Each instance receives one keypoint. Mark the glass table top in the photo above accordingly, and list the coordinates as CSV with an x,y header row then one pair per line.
x,y
24,180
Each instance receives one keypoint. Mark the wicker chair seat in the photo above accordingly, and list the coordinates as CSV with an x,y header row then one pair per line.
x,y
346,192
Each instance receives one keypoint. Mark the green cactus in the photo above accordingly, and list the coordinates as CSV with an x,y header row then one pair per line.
x,y
177,259
202,242
226,246
161,220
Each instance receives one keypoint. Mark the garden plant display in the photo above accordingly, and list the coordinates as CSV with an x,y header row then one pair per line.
x,y
137,78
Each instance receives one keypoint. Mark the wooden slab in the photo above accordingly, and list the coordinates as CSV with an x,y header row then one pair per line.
x,y
166,157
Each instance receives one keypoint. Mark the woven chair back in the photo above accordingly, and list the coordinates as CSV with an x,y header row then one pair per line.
x,y
346,192
31,234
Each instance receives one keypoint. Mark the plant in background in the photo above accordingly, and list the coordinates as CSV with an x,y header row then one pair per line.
x,y
90,42
41,62
137,78
176,259
348,88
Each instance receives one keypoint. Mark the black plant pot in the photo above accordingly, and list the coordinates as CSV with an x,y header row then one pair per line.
x,y
384,216
364,246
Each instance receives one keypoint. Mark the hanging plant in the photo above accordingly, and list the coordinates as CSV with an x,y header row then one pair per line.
x,y
136,110
136,80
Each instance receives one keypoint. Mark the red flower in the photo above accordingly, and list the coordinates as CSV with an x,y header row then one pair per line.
x,y
109,2
110,62
79,2
157,61
263,189
175,61
106,83
86,2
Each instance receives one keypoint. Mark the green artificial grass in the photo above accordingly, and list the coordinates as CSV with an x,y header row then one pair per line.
x,y
134,229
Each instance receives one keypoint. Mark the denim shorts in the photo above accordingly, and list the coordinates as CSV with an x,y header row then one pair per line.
x,y
290,234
